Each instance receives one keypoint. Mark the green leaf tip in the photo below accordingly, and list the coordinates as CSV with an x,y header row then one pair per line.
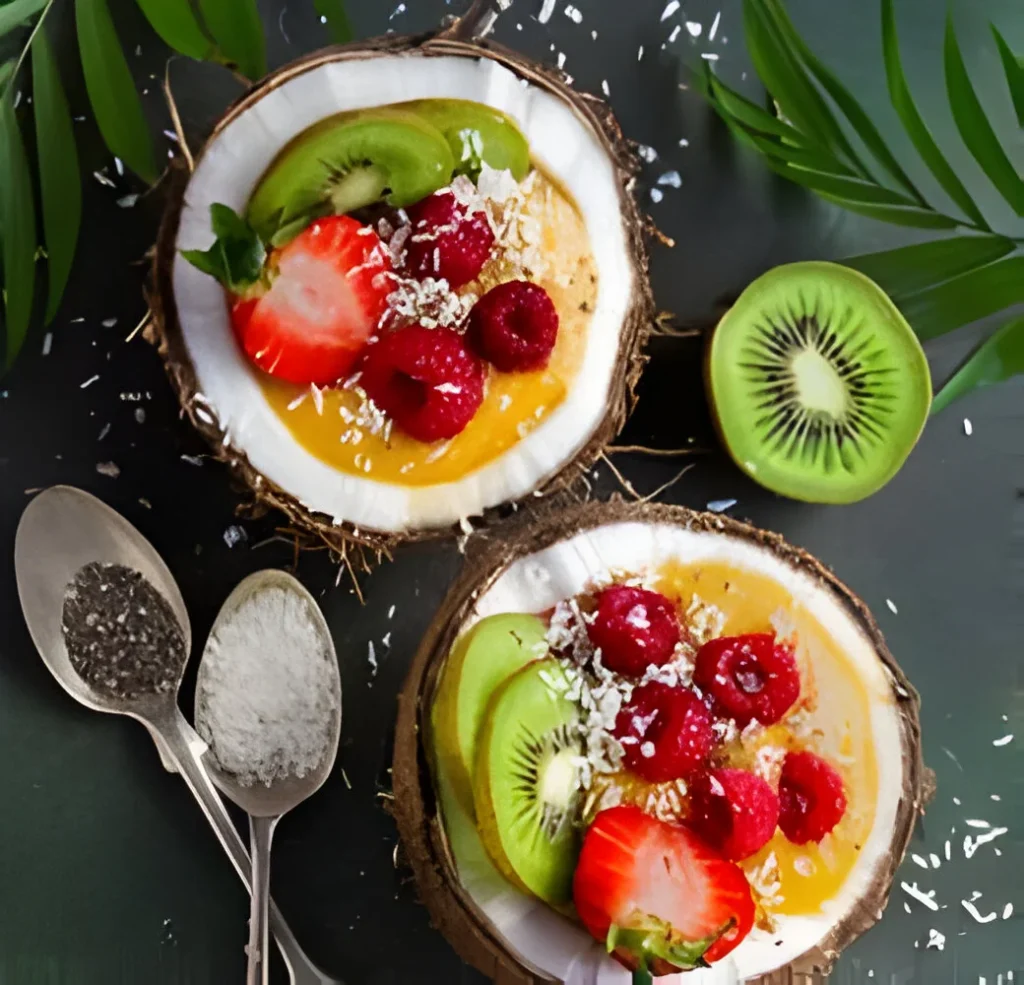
x,y
339,25
913,122
237,256
1014,69
974,125
112,93
178,27
998,358
238,31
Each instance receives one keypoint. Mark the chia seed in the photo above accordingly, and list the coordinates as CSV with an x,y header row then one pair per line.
x,y
122,637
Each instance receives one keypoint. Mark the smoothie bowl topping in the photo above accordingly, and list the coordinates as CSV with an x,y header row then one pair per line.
x,y
676,731
392,307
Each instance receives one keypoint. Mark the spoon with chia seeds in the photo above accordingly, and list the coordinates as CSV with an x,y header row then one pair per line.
x,y
268,702
110,624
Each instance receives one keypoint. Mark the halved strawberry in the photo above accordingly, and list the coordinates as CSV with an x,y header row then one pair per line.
x,y
659,897
328,293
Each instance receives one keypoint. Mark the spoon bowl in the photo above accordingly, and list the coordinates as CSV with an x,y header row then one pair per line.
x,y
258,799
267,803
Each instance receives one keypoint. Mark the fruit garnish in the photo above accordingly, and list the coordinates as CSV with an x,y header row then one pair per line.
x,y
734,811
634,628
237,256
345,163
811,796
325,299
514,326
479,663
665,732
447,241
820,386
750,677
425,380
526,781
661,898
477,135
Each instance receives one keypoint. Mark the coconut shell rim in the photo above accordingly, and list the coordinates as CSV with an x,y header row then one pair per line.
x,y
417,813
637,326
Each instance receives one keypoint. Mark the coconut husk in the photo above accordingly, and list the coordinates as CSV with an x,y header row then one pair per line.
x,y
417,813
360,547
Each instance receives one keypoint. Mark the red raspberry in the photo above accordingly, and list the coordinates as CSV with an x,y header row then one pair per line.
x,y
733,811
634,628
811,797
445,242
514,326
425,380
665,732
749,677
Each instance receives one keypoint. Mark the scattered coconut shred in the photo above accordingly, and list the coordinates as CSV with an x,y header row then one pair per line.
x,y
266,702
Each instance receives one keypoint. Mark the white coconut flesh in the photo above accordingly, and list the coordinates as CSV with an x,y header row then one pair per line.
x,y
565,951
230,168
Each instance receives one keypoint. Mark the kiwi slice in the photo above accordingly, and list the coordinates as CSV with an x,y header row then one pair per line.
x,y
479,663
526,781
348,162
819,386
477,135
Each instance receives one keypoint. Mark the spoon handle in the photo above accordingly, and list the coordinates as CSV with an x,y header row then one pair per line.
x,y
185,748
261,835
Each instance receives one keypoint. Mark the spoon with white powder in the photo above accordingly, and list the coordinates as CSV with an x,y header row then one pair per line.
x,y
268,703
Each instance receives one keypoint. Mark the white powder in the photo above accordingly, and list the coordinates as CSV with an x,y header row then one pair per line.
x,y
266,702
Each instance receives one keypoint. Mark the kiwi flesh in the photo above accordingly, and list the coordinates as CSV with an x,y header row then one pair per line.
x,y
477,135
526,782
347,162
819,386
480,662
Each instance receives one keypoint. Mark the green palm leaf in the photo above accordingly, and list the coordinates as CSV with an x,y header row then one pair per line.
x,y
15,14
794,92
915,268
996,359
966,298
730,103
59,181
917,129
111,89
975,127
902,216
17,232
178,27
839,186
238,31
852,110
338,24
1014,69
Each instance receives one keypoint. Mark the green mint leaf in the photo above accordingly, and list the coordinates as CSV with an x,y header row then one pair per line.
x,y
237,256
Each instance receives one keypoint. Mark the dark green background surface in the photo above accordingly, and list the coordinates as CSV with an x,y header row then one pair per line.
x,y
108,873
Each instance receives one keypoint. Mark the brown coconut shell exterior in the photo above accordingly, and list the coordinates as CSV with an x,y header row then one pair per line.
x,y
417,813
639,322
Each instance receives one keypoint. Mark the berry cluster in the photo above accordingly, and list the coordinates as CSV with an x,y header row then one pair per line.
x,y
667,730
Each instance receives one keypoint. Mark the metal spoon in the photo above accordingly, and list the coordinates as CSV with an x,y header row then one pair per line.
x,y
62,530
264,804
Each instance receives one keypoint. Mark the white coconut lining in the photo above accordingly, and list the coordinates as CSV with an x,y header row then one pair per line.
x,y
228,171
564,950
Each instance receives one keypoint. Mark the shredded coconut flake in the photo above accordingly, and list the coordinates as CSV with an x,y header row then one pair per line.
x,y
915,892
266,701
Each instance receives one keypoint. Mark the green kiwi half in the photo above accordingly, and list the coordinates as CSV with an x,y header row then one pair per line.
x,y
348,162
525,786
477,135
479,663
819,386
